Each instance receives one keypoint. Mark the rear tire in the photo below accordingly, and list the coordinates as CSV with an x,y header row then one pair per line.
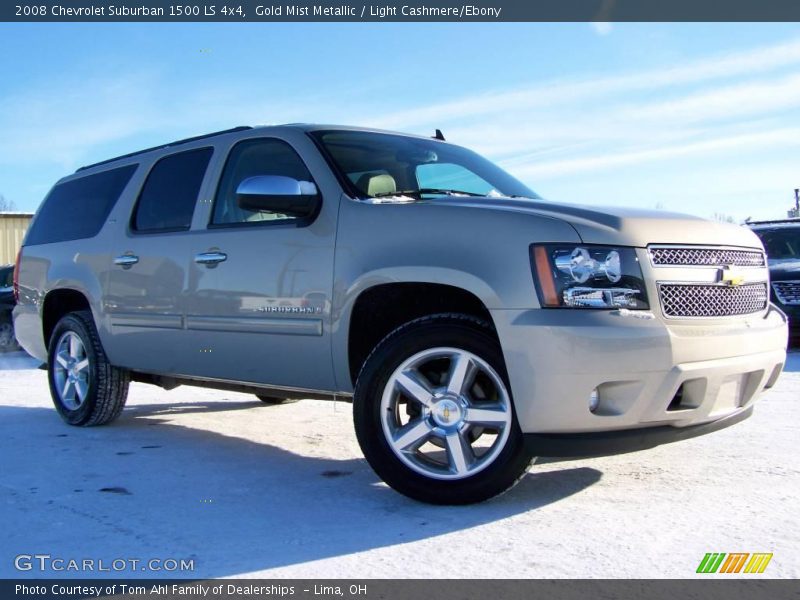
x,y
425,396
86,389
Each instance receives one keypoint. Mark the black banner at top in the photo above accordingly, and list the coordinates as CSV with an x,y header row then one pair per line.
x,y
232,11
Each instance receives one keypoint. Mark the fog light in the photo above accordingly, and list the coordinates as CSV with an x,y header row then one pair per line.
x,y
594,400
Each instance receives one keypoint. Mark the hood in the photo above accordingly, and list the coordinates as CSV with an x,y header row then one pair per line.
x,y
781,269
619,225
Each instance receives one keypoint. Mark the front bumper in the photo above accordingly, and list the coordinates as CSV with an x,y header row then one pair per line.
x,y
648,373
607,443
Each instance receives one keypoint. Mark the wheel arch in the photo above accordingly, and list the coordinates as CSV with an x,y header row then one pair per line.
x,y
57,303
381,304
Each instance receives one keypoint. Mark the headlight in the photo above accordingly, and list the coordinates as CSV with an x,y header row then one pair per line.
x,y
586,276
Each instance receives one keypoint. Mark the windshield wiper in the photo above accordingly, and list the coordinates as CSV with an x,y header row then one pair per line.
x,y
418,193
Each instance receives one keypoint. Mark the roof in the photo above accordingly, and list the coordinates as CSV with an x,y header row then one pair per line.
x,y
10,214
309,127
328,127
168,145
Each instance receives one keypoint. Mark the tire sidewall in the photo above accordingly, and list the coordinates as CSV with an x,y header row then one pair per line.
x,y
423,334
83,413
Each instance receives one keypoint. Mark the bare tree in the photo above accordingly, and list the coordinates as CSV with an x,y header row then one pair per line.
x,y
6,205
723,218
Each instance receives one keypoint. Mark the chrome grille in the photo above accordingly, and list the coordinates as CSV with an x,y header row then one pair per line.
x,y
682,300
706,257
788,292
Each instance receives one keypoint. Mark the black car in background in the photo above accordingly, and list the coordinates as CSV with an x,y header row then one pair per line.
x,y
782,242
7,341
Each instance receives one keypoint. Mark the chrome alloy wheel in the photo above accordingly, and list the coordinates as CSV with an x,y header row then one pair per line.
x,y
446,413
71,370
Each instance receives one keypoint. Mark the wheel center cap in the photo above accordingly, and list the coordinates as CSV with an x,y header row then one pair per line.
x,y
447,412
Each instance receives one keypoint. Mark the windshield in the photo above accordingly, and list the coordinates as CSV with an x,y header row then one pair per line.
x,y
781,244
376,165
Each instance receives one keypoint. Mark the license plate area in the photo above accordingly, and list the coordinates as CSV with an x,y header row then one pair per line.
x,y
729,397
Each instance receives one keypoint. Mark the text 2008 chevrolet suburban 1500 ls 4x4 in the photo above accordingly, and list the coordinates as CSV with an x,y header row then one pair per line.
x,y
474,325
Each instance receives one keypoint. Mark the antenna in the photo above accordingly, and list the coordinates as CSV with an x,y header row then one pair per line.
x,y
440,136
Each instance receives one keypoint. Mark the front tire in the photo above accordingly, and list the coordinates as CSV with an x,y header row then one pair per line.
x,y
434,415
86,389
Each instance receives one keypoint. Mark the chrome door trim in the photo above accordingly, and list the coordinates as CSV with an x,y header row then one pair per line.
x,y
148,321
312,327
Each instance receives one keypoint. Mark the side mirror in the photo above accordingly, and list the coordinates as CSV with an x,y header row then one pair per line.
x,y
276,193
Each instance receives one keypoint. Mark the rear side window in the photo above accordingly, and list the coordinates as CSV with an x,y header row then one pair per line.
x,y
77,209
169,195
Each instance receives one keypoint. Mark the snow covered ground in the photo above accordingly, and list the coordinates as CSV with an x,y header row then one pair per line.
x,y
251,490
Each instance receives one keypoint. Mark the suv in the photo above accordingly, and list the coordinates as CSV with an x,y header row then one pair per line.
x,y
473,324
781,240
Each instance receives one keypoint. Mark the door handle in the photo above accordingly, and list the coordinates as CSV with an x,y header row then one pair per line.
x,y
210,259
126,261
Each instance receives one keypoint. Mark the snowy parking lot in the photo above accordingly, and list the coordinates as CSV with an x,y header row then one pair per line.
x,y
249,490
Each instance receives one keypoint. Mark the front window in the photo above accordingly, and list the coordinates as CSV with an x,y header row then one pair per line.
x,y
380,165
251,158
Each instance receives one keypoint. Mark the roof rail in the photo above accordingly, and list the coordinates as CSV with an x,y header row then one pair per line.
x,y
169,145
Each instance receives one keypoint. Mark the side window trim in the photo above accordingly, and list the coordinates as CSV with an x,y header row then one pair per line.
x,y
131,229
283,223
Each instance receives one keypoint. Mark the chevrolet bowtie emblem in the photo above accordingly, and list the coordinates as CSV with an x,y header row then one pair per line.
x,y
731,276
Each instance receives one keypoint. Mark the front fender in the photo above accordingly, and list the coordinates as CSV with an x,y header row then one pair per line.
x,y
482,251
345,300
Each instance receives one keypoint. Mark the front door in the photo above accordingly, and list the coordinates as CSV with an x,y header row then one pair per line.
x,y
260,283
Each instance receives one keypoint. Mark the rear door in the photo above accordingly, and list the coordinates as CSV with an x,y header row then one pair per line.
x,y
145,292
261,283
